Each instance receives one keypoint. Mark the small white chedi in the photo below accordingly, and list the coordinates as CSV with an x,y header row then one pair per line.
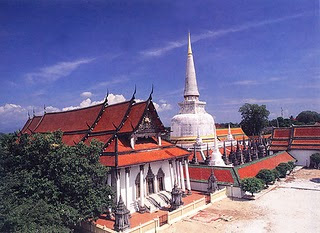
x,y
192,120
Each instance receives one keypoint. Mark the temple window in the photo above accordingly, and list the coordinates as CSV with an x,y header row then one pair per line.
x,y
160,179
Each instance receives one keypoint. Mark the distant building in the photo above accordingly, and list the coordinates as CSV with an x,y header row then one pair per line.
x,y
299,141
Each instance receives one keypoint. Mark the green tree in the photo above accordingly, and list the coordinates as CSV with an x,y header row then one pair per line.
x,y
283,168
254,118
252,185
308,117
47,186
315,160
276,174
267,176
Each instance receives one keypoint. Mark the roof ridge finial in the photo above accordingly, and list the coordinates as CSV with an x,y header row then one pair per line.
x,y
44,109
28,114
150,96
33,112
106,98
134,92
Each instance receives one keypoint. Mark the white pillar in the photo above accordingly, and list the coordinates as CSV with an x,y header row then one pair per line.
x,y
118,171
183,187
178,174
141,186
187,175
171,174
156,184
127,169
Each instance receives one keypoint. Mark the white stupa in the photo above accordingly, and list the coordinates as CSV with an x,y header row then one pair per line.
x,y
192,120
216,156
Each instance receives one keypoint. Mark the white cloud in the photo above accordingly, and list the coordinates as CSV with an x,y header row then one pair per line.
x,y
10,108
86,94
112,99
155,52
57,71
162,106
250,82
52,109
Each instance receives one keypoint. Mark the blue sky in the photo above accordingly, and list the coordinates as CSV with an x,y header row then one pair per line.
x,y
66,54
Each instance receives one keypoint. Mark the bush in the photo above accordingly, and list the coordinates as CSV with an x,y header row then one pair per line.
x,y
276,174
315,160
291,164
252,185
283,168
267,176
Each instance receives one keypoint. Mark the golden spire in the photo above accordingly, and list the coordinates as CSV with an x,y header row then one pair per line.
x,y
189,44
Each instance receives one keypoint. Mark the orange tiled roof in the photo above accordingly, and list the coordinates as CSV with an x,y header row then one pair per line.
x,y
69,121
31,125
296,138
202,173
270,162
307,131
282,133
72,139
133,158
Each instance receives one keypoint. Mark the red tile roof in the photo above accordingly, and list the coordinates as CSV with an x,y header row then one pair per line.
x,y
72,139
25,127
296,138
282,133
270,162
104,138
237,134
111,117
135,115
278,142
306,142
202,173
68,121
102,123
145,156
311,131
31,125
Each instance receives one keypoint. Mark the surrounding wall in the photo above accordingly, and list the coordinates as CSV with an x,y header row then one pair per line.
x,y
303,156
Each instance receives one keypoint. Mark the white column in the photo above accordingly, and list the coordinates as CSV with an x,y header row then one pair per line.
x,y
187,175
183,187
171,174
118,171
155,184
178,174
127,169
141,186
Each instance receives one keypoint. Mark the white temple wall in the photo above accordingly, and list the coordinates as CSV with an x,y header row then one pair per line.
x,y
134,171
303,156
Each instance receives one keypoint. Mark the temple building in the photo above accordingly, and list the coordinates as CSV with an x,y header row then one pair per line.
x,y
192,121
144,168
300,141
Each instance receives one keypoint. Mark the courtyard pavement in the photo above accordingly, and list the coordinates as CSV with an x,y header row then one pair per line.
x,y
292,205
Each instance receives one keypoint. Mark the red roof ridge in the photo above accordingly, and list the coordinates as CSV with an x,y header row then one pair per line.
x,y
72,110
35,128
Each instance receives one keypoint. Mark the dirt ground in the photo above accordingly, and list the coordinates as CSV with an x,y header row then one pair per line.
x,y
292,205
